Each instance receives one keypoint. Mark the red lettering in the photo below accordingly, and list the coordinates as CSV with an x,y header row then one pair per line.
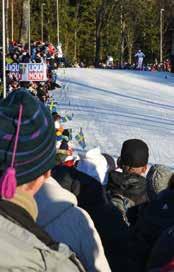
x,y
35,76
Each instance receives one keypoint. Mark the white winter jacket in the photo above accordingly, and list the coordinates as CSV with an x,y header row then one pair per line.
x,y
65,222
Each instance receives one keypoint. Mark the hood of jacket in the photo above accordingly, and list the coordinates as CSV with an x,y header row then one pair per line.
x,y
53,201
126,184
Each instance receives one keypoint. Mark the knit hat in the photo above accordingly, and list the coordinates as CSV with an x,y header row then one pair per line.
x,y
157,178
36,151
94,164
134,153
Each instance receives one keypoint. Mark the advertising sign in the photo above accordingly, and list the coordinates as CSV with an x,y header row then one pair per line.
x,y
28,71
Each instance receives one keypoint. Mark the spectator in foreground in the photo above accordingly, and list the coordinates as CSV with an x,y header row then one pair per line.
x,y
91,197
27,153
67,223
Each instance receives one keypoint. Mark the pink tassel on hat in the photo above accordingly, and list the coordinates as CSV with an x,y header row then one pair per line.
x,y
8,180
8,183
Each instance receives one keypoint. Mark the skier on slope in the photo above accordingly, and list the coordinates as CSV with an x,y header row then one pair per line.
x,y
109,61
140,56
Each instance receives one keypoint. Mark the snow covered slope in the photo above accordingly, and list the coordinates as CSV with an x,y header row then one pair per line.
x,y
113,105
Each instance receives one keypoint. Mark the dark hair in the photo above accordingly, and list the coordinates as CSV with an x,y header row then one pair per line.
x,y
66,133
56,116
25,84
171,183
119,163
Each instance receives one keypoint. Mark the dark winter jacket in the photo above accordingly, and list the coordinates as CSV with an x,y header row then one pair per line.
x,y
126,184
80,184
134,212
156,218
67,177
163,251
122,187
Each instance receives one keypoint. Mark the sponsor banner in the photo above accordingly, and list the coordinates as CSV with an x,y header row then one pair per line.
x,y
28,71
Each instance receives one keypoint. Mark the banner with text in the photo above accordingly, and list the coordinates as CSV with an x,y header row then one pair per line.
x,y
28,71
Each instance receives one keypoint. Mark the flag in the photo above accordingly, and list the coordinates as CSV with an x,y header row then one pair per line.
x,y
80,138
52,105
66,118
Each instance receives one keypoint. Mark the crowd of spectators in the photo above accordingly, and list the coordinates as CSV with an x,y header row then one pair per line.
x,y
165,66
61,212
40,53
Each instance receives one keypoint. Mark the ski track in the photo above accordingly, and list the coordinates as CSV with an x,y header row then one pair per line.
x,y
114,105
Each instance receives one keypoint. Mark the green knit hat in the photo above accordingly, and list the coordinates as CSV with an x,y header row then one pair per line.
x,y
36,151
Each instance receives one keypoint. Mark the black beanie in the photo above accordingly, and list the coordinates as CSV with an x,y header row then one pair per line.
x,y
36,151
134,153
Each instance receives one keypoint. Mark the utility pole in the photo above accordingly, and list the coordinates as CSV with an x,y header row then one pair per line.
x,y
122,35
3,48
12,20
57,22
42,7
29,28
7,28
75,45
161,35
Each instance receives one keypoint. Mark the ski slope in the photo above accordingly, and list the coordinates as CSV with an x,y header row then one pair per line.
x,y
114,105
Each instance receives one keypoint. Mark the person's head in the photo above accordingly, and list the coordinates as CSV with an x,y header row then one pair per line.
x,y
157,179
56,116
95,165
35,151
15,84
134,156
15,56
66,134
24,84
171,182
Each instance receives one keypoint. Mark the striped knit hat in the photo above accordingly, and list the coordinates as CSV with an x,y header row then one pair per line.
x,y
36,151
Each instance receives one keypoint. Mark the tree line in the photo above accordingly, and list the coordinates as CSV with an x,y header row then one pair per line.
x,y
92,29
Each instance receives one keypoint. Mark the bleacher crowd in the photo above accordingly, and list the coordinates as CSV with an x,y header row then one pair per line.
x,y
40,53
